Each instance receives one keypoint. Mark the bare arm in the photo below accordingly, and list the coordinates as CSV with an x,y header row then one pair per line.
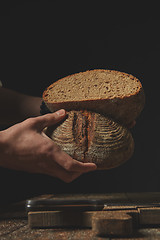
x,y
16,107
25,147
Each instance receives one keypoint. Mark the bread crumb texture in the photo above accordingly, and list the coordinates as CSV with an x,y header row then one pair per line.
x,y
93,84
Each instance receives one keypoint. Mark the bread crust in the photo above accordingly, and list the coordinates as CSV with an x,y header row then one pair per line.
x,y
91,137
95,129
122,109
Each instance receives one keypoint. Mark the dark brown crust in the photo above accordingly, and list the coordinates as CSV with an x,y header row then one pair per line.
x,y
124,110
91,137
80,141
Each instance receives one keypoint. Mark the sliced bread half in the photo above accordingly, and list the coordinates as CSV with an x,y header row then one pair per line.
x,y
115,94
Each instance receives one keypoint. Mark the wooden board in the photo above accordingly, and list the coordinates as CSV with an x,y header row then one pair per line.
x,y
113,222
121,215
14,224
149,216
60,219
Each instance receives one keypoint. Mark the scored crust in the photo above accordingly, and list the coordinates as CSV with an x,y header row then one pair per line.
x,y
91,137
99,104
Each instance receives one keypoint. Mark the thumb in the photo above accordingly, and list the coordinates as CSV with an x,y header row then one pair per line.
x,y
50,119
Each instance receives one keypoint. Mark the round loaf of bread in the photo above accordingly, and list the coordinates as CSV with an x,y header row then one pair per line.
x,y
100,104
112,93
92,137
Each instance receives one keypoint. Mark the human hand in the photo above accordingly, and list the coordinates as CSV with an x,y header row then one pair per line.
x,y
25,147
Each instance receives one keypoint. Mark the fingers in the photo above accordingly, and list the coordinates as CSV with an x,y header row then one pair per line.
x,y
56,162
50,119
62,174
64,167
73,165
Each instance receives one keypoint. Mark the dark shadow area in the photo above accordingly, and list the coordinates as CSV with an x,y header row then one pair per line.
x,y
42,41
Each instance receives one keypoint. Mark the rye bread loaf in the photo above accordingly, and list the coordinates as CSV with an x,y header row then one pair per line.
x,y
112,93
92,137
99,103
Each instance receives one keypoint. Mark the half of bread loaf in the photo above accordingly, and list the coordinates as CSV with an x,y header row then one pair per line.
x,y
91,137
115,94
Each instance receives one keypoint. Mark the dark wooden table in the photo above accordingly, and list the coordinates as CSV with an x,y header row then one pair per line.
x,y
14,224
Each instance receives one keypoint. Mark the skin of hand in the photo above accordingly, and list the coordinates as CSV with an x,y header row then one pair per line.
x,y
25,147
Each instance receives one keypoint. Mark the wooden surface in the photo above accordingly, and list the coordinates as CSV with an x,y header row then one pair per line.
x,y
14,222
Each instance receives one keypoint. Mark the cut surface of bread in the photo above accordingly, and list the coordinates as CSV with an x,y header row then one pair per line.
x,y
92,85
100,104
116,94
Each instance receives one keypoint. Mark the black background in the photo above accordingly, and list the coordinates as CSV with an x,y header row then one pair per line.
x,y
42,41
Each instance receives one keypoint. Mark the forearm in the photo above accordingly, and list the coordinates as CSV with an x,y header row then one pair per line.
x,y
15,107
